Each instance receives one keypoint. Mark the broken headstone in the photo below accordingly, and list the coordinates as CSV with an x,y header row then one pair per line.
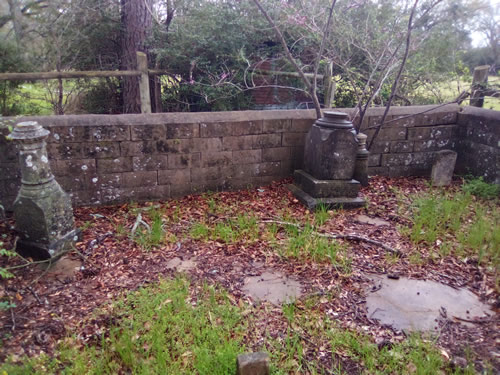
x,y
443,167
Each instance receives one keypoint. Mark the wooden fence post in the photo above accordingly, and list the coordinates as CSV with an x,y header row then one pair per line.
x,y
142,66
479,80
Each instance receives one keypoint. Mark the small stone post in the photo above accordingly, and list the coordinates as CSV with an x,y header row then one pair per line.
x,y
361,168
443,167
42,210
252,364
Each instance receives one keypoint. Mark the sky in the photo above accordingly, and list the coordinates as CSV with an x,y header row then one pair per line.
x,y
478,38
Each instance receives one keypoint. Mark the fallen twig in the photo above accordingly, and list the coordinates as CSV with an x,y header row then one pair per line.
x,y
475,321
348,237
34,295
138,222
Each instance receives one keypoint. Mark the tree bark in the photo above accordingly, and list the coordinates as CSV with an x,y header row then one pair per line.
x,y
137,21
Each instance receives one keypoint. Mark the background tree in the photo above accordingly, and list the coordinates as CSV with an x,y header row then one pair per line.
x,y
137,21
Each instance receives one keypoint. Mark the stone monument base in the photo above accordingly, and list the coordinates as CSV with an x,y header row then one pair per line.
x,y
313,203
55,250
331,193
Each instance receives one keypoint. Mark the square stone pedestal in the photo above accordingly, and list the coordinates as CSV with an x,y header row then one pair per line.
x,y
330,193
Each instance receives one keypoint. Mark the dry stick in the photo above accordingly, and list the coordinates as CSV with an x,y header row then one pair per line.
x,y
400,72
348,237
322,47
290,58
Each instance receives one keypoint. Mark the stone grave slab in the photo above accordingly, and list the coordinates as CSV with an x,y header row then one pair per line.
x,y
272,286
417,305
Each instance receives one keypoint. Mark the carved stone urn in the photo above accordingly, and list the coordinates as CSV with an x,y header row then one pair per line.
x,y
330,155
42,210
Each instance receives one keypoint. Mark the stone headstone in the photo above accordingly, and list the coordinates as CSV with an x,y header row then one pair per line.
x,y
443,167
42,210
252,364
330,155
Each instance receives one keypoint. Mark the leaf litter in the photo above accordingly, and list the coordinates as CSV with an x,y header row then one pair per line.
x,y
50,306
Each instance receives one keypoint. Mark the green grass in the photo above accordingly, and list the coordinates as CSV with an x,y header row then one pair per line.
x,y
159,331
457,223
232,230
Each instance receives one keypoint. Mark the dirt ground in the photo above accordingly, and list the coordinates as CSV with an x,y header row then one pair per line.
x,y
52,304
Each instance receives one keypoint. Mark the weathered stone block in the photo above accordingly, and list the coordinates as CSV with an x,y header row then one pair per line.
x,y
247,127
244,142
105,133
101,150
182,130
184,146
213,159
252,364
142,193
301,125
150,162
374,160
139,178
216,129
75,167
122,164
391,134
276,154
147,132
10,187
442,168
8,153
277,126
65,134
267,169
108,180
380,147
246,156
174,177
401,146
294,139
242,172
326,188
266,140
206,144
199,175
65,150
9,171
137,148
433,145
177,161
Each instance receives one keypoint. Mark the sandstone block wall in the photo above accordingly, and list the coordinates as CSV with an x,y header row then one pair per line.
x,y
106,159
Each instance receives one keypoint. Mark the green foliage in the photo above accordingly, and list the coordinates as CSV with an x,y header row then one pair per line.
x,y
480,188
4,272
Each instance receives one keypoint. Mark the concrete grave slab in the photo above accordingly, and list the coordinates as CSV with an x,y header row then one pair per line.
x,y
272,286
417,305
181,265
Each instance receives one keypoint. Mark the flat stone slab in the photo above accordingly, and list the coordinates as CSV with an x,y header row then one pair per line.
x,y
363,219
313,203
63,268
181,265
273,287
417,305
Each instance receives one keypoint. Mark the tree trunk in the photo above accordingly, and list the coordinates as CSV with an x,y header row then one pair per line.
x,y
137,20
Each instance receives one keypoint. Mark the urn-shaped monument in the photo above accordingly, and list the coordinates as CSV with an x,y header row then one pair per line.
x,y
42,210
329,164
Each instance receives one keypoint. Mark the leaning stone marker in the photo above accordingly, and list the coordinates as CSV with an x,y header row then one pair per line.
x,y
443,167
42,210
252,364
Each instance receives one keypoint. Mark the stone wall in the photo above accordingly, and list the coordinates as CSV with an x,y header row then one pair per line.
x,y
105,159
479,144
